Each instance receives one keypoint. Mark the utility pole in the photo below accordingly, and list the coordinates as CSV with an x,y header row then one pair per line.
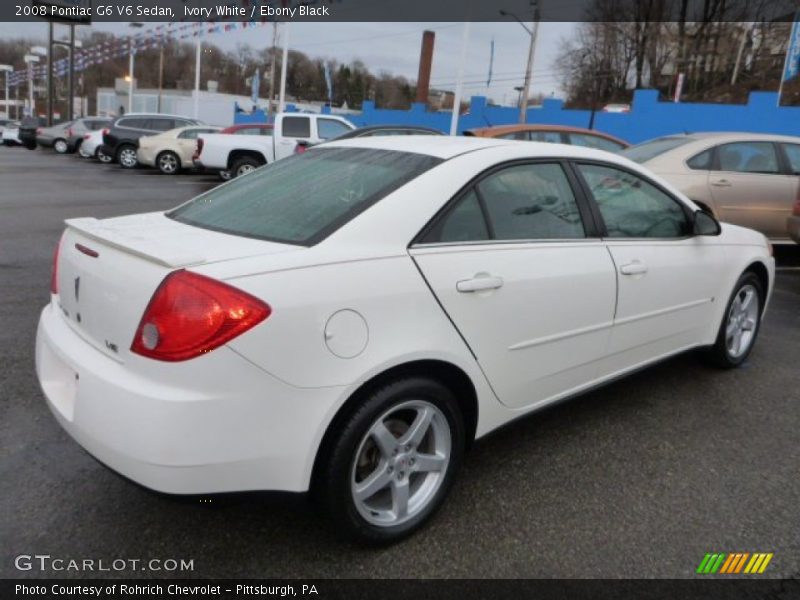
x,y
197,77
457,96
532,32
71,75
272,57
49,73
284,68
160,75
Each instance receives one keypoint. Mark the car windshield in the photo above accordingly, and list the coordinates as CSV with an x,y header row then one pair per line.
x,y
306,197
645,151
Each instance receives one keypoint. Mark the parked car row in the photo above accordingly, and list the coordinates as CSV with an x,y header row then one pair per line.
x,y
746,179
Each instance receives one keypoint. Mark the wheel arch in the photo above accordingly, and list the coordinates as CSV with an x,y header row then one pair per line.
x,y
447,373
760,270
237,154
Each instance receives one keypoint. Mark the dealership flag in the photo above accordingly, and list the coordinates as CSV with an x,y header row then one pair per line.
x,y
792,67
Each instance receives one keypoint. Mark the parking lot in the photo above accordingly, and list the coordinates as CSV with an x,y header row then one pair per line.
x,y
638,479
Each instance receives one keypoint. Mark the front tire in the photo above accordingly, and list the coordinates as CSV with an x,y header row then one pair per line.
x,y
168,163
103,157
126,157
740,324
393,461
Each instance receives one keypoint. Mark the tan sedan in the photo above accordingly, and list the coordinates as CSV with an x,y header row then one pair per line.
x,y
747,179
171,151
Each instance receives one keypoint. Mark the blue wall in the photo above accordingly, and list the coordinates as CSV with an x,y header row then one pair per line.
x,y
647,119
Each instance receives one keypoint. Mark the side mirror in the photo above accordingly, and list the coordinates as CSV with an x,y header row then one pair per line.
x,y
705,224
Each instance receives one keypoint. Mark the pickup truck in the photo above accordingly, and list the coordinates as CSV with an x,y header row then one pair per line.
x,y
234,155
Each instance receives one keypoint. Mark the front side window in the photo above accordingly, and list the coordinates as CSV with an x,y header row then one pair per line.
x,y
303,198
330,128
633,208
793,154
297,127
645,151
464,223
748,157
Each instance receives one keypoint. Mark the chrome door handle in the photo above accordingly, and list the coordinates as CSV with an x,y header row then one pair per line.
x,y
721,183
478,284
634,268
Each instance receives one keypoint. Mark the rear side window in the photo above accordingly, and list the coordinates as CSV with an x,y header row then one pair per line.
x,y
522,202
160,124
306,197
700,162
594,141
552,137
299,127
645,151
748,157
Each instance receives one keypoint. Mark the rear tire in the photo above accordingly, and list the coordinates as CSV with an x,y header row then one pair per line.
x,y
225,175
168,163
126,156
244,165
60,146
378,480
740,323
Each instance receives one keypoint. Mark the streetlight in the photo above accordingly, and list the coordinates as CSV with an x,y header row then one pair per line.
x,y
523,105
132,50
7,69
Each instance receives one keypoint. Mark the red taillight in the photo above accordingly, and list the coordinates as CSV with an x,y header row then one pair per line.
x,y
38,131
54,272
198,149
69,132
190,314
106,131
86,136
300,148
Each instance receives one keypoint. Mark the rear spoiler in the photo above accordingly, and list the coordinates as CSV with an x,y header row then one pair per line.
x,y
165,253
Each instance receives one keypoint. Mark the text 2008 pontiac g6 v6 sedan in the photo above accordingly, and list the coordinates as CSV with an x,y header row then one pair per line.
x,y
347,320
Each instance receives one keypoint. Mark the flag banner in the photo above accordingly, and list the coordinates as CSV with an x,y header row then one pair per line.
x,y
792,68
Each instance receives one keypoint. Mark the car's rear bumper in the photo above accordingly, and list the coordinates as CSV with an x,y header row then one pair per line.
x,y
146,156
214,424
793,227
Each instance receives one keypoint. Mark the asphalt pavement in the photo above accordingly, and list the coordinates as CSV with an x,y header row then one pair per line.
x,y
638,479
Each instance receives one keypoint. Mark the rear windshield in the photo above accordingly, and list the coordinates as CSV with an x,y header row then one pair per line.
x,y
648,150
306,197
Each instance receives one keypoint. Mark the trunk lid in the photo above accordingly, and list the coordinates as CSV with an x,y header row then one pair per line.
x,y
109,269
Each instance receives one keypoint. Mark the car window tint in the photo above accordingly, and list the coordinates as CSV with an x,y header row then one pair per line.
x,y
297,127
594,141
533,201
514,135
700,162
305,197
553,137
633,208
191,134
793,154
463,223
133,123
645,151
748,157
330,128
161,124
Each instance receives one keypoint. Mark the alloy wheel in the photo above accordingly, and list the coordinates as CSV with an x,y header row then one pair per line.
x,y
127,158
740,329
60,146
244,170
168,163
401,463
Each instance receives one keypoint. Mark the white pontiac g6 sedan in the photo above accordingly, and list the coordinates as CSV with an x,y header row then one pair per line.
x,y
347,320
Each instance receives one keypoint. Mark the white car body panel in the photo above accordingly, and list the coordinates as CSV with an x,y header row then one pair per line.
x,y
170,141
89,146
218,148
252,413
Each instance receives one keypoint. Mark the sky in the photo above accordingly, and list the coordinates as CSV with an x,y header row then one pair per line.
x,y
394,47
